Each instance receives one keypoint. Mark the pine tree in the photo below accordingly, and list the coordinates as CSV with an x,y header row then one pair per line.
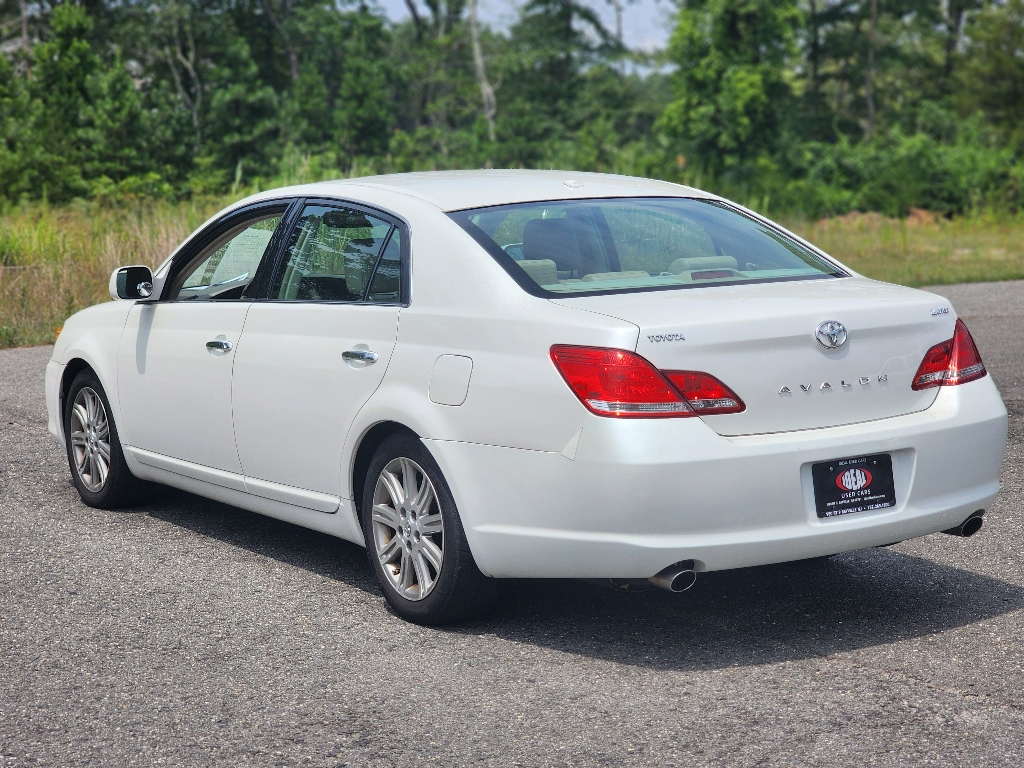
x,y
731,90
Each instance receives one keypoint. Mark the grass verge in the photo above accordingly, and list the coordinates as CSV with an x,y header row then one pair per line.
x,y
922,249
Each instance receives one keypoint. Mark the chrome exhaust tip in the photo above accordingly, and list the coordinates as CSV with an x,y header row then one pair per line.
x,y
968,527
678,577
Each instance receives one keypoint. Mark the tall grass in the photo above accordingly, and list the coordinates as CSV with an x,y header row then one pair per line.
x,y
55,261
922,249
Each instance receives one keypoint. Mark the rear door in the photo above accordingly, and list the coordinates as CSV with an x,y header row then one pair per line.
x,y
176,355
314,349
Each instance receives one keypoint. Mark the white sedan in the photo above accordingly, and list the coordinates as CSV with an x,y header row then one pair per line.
x,y
493,374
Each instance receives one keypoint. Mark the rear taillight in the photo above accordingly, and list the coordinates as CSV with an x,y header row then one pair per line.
x,y
952,362
613,382
934,366
706,395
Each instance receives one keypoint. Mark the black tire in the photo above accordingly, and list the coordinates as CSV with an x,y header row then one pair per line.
x,y
458,591
119,486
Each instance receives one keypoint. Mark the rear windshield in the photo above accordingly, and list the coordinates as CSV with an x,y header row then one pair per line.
x,y
626,245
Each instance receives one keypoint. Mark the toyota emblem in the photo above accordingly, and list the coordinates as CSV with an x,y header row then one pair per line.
x,y
831,334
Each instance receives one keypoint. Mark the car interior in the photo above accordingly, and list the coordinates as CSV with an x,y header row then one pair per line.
x,y
613,244
224,269
331,256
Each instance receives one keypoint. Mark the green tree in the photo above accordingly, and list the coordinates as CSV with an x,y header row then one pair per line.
x,y
732,89
436,102
90,121
991,77
543,78
343,97
112,135
22,159
243,114
63,65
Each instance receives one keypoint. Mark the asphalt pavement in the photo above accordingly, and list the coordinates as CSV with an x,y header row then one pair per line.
x,y
184,632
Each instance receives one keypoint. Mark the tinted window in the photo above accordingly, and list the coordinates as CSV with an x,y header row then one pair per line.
x,y
330,256
226,267
387,280
637,244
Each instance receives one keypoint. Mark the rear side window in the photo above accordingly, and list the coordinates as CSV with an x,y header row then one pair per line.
x,y
626,245
387,280
332,255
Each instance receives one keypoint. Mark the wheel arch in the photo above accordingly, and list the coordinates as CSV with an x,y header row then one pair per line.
x,y
368,444
74,367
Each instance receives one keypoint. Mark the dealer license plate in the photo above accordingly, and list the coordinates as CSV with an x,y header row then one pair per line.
x,y
859,484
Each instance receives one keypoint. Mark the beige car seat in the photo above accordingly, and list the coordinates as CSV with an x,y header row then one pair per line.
x,y
541,271
702,262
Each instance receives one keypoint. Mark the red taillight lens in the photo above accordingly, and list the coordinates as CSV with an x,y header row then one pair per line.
x,y
613,382
952,362
706,395
934,366
966,364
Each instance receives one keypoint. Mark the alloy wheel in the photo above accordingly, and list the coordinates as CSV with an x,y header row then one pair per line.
x,y
408,530
90,439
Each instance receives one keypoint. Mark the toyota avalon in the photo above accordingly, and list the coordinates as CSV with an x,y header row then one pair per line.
x,y
495,374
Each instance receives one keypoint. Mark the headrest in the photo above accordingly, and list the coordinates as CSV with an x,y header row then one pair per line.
x,y
541,271
702,262
551,239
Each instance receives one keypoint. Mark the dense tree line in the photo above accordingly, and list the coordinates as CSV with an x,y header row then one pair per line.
x,y
814,105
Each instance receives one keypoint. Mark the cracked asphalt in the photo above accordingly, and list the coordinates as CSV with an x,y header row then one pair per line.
x,y
184,632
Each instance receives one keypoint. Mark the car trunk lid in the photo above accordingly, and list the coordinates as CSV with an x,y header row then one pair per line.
x,y
759,339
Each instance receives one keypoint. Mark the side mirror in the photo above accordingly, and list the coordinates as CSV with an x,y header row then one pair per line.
x,y
131,283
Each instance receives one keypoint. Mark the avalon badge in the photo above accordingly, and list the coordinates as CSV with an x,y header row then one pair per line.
x,y
831,334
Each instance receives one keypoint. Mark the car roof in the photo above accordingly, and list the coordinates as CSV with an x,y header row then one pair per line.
x,y
458,190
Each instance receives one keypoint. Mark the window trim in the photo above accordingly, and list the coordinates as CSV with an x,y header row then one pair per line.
x,y
461,219
376,266
397,222
264,275
217,229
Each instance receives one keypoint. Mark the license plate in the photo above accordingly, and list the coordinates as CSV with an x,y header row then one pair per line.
x,y
859,484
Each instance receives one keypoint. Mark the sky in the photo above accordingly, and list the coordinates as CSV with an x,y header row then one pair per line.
x,y
646,24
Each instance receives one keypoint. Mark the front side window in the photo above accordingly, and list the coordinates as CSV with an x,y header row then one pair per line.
x,y
625,245
225,268
331,255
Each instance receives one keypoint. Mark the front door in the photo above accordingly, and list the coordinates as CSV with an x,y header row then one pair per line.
x,y
176,355
315,350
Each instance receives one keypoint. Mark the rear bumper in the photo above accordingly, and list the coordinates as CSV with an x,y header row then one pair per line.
x,y
639,495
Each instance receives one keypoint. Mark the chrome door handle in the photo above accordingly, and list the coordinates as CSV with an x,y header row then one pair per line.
x,y
219,345
360,355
